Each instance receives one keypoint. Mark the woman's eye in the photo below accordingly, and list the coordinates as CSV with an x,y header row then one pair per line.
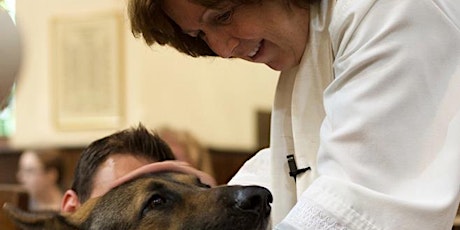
x,y
225,17
201,34
197,34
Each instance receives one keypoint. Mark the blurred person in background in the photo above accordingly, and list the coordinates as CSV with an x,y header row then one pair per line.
x,y
186,147
40,172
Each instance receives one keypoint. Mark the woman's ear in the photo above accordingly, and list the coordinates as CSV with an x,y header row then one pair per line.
x,y
70,202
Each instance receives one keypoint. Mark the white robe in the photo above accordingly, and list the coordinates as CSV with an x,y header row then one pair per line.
x,y
374,110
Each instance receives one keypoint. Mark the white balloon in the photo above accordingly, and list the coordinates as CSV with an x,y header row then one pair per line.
x,y
10,55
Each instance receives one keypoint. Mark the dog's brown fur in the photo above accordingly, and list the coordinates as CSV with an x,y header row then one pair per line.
x,y
162,201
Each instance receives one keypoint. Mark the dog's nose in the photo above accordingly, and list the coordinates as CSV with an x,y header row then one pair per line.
x,y
254,199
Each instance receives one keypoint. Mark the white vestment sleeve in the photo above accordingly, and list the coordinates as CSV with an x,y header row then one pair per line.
x,y
254,171
389,156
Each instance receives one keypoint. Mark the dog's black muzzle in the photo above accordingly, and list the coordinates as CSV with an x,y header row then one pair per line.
x,y
254,199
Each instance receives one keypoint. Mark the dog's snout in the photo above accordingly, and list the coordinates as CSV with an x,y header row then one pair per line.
x,y
254,199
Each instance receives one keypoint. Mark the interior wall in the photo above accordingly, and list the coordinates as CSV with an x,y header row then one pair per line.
x,y
215,99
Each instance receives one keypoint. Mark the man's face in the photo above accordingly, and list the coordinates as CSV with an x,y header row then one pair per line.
x,y
114,167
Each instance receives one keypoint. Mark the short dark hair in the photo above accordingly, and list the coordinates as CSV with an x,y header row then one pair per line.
x,y
148,20
133,141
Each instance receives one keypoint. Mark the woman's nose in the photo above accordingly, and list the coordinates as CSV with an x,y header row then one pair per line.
x,y
222,44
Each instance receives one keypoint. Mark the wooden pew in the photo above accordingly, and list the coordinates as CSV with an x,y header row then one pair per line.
x,y
15,195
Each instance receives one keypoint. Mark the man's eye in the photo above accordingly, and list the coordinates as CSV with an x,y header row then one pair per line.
x,y
225,17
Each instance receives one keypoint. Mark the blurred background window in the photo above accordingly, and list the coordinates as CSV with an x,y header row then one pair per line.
x,y
9,6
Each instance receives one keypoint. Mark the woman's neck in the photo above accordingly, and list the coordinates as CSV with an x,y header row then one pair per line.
x,y
46,201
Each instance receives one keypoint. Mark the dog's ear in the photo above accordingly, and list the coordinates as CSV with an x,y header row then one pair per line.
x,y
83,213
31,221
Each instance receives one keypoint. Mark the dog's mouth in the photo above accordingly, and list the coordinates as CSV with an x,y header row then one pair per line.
x,y
263,216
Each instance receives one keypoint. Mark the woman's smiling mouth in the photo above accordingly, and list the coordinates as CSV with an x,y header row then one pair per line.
x,y
255,50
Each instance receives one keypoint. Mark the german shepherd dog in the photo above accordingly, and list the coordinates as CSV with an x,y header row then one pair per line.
x,y
161,200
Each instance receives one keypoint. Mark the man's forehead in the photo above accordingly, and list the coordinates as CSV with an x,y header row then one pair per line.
x,y
113,168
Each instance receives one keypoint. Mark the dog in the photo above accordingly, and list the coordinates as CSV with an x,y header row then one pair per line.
x,y
161,201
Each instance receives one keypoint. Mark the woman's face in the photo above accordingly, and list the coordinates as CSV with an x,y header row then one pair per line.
x,y
268,32
32,174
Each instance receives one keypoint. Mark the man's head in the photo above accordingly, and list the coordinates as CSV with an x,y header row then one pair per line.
x,y
110,158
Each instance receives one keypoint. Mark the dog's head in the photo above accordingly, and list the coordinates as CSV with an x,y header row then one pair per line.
x,y
166,200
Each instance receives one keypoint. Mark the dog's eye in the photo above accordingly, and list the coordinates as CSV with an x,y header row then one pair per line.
x,y
205,185
200,184
156,200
